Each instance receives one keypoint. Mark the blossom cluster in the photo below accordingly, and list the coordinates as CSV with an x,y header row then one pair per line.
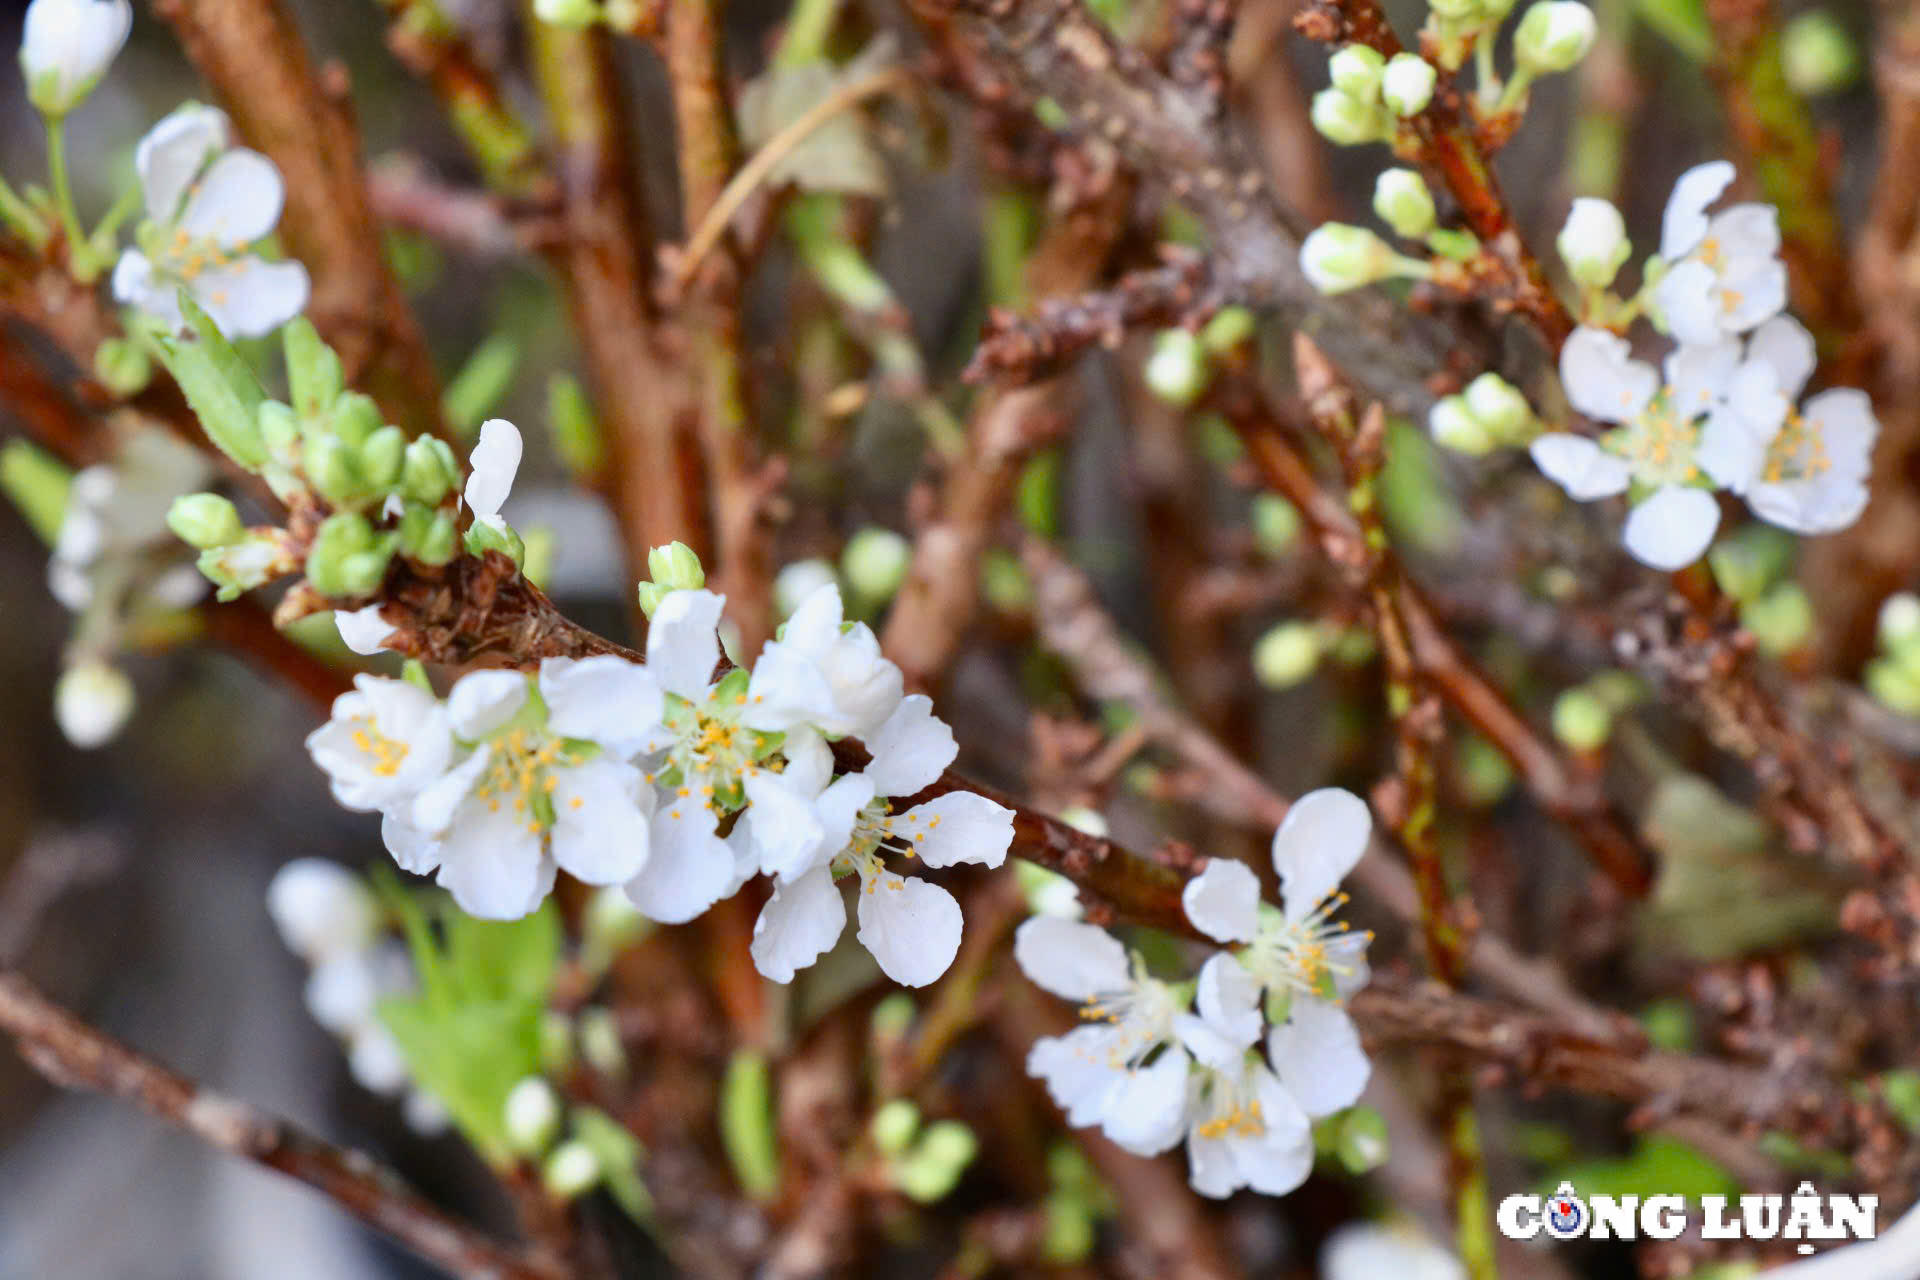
x,y
1723,411
1161,1062
679,785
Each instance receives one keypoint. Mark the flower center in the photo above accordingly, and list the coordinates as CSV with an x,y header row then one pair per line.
x,y
1659,445
1230,1111
1798,452
520,772
1299,955
712,750
387,754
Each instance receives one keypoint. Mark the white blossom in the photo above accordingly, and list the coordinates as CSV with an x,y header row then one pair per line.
x,y
912,927
207,202
825,673
1724,275
492,466
1369,1251
1099,1074
67,45
1673,438
322,909
384,742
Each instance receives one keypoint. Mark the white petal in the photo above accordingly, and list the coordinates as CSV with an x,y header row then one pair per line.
x,y
799,924
1318,1057
1689,299
911,749
1784,345
688,866
683,642
1684,224
1698,374
815,625
787,690
172,154
1754,398
782,826
493,865
1073,960
604,699
837,809
236,201
1578,465
911,927
1080,1073
1211,1168
1223,901
809,762
1602,378
1673,528
480,702
1147,1113
432,810
600,825
957,827
363,630
1228,999
1729,451
492,466
1751,291
1321,839
1746,231
413,850
251,297
1281,1157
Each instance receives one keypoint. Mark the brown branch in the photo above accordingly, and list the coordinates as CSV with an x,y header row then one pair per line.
x,y
251,53
73,1055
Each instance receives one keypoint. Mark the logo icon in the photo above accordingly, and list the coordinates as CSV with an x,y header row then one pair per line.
x,y
1566,1216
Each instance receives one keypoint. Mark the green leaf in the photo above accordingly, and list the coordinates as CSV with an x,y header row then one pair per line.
x,y
746,1125
481,382
218,384
620,1155
503,959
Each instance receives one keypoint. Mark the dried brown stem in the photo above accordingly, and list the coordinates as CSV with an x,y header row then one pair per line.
x,y
74,1055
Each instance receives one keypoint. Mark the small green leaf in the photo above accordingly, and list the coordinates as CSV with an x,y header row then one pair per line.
x,y
746,1125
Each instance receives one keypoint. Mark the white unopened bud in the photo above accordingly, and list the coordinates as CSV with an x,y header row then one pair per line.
x,y
91,702
1497,405
532,1116
1553,35
66,46
568,13
1355,71
1337,257
321,909
1593,243
572,1170
875,562
425,1114
797,581
375,1061
1454,426
1346,121
1407,84
1401,198
1176,372
1899,620
341,992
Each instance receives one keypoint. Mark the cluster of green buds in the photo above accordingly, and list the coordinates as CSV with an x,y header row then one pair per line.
x,y
924,1162
596,1153
1490,413
1077,1200
1454,27
1371,95
1337,257
361,490
1180,366
1893,677
1752,566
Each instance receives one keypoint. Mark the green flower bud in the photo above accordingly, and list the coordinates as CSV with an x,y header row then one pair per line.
x,y
355,417
1894,685
332,468
1594,243
1497,405
1177,370
1581,720
676,567
428,471
875,562
933,1168
651,594
1347,121
894,1126
341,537
381,458
600,1042
1229,328
568,13
1337,257
1355,71
892,1018
1455,426
1287,654
556,1040
1553,35
1401,198
314,376
484,536
1818,55
1276,523
1781,621
1362,1142
1406,86
532,1116
123,367
280,429
1751,559
1899,625
572,1170
253,560
205,520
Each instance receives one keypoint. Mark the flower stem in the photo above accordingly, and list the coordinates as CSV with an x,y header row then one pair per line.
x,y
80,259
1486,77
